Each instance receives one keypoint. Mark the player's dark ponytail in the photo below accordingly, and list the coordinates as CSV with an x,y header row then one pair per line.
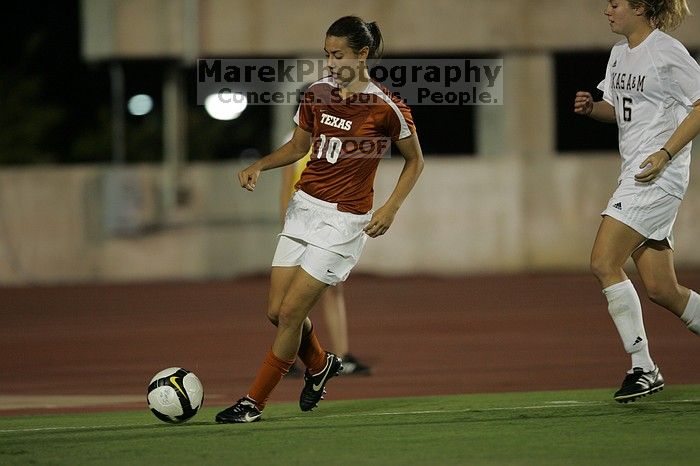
x,y
377,48
358,34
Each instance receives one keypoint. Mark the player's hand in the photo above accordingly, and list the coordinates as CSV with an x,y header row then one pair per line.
x,y
381,221
583,103
652,166
248,177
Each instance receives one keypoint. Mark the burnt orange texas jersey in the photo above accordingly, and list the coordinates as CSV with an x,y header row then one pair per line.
x,y
349,138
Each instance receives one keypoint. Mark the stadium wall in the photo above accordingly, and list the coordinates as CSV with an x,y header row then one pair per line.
x,y
467,215
189,29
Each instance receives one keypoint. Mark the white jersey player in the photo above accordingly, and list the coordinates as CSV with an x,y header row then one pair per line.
x,y
652,91
652,87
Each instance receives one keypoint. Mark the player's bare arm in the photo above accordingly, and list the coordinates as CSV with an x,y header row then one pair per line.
x,y
293,150
686,132
601,111
413,166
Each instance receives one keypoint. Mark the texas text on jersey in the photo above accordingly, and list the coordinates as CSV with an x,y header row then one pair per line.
x,y
350,136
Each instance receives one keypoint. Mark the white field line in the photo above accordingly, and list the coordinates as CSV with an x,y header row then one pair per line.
x,y
12,402
68,428
15,402
549,405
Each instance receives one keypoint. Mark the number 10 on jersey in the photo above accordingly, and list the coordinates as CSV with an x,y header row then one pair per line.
x,y
332,151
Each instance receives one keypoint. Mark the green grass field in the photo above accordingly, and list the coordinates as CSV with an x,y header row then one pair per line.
x,y
569,427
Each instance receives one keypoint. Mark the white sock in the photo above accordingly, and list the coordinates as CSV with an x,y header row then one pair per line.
x,y
626,311
691,315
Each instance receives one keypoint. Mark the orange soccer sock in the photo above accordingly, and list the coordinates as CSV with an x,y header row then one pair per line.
x,y
311,352
269,375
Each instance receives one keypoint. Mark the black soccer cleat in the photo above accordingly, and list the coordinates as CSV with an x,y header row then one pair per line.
x,y
245,410
352,366
639,384
314,385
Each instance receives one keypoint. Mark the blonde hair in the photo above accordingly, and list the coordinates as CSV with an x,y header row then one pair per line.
x,y
663,14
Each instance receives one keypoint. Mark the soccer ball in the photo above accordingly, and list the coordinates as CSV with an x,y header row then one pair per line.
x,y
175,395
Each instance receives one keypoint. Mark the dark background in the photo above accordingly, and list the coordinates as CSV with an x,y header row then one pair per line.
x,y
55,108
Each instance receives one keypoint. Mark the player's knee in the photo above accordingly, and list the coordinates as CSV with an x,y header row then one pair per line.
x,y
661,294
273,313
289,317
601,267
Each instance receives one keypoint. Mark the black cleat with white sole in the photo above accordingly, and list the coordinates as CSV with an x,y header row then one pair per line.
x,y
245,410
639,384
314,385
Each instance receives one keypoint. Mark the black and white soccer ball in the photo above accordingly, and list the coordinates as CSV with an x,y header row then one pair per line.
x,y
175,395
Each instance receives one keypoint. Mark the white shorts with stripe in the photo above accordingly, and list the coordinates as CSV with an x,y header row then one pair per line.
x,y
325,242
646,208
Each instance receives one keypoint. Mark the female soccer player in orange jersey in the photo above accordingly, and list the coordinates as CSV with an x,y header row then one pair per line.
x,y
347,119
333,299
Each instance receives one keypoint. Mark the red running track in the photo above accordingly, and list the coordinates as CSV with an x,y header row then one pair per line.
x,y
422,335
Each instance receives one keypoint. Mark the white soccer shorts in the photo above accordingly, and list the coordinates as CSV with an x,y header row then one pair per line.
x,y
646,208
325,242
